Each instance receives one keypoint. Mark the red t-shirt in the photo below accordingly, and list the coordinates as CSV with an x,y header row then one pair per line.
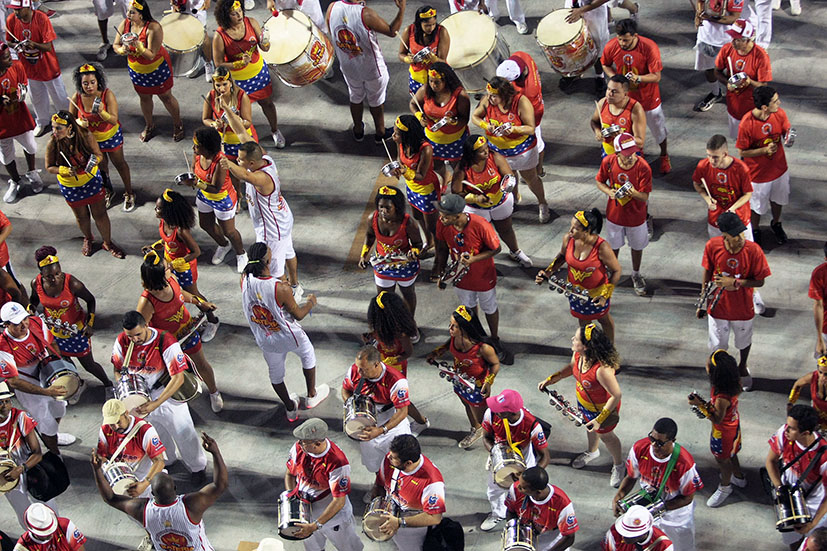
x,y
24,354
15,118
526,434
754,133
391,387
818,289
318,476
726,185
756,64
39,65
531,87
67,537
643,59
152,358
788,450
553,513
625,211
748,263
684,479
145,443
4,221
420,490
477,236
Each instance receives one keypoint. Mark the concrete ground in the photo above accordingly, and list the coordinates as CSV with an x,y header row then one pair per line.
x,y
328,180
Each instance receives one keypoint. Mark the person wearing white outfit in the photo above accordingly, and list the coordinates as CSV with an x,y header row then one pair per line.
x,y
595,14
311,8
763,16
491,8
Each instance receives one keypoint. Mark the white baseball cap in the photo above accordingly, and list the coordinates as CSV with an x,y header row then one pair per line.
x,y
509,70
13,312
40,520
741,29
270,544
635,522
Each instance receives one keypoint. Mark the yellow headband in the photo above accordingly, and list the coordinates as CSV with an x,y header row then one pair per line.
x,y
56,118
822,361
236,5
463,312
433,73
51,259
379,300
428,14
481,141
152,257
218,78
587,331
490,89
712,357
385,190
137,5
86,68
166,196
399,124
194,140
581,217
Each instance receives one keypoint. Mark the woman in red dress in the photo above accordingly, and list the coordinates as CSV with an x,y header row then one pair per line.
x,y
423,33
817,382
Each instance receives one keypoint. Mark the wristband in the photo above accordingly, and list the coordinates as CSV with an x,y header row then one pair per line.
x,y
365,250
105,115
483,125
490,379
65,171
318,525
409,174
91,321
415,250
384,429
793,398
604,413
201,185
553,375
402,522
608,289
239,64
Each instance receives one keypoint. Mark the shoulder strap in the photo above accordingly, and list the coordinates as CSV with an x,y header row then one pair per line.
x,y
798,457
651,546
669,468
126,439
809,468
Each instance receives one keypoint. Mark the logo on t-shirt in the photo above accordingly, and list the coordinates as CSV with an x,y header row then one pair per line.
x,y
346,41
721,176
175,542
264,317
766,128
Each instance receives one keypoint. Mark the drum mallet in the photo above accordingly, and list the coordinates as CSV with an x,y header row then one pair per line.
x,y
186,160
73,103
387,150
402,40
707,189
729,60
203,97
599,117
416,102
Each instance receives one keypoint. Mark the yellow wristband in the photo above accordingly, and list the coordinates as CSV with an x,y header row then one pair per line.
x,y
239,64
794,395
409,174
65,171
415,250
365,250
201,185
91,321
483,125
490,379
604,413
105,115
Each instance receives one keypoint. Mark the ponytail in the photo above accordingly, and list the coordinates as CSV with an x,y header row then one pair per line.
x,y
255,260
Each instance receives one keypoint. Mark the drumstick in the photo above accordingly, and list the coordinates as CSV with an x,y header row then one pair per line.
x,y
402,40
186,160
387,151
12,36
73,103
65,159
729,60
706,188
598,113
113,26
416,102
211,107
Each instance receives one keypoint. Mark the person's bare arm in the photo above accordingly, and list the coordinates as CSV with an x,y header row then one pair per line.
x,y
639,125
131,506
373,21
284,295
818,315
78,289
198,502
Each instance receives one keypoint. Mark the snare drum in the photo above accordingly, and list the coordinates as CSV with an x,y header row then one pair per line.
x,y
183,178
293,510
388,169
374,517
476,49
189,389
300,53
6,465
791,509
504,463
518,536
568,47
359,413
120,476
183,37
60,372
132,390
655,506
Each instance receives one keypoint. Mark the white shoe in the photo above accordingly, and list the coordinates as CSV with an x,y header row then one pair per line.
x,y
34,181
522,28
746,382
740,482
65,439
279,140
298,291
209,69
419,428
366,498
490,522
758,303
650,226
293,415
249,5
11,193
776,4
545,214
220,253
241,262
584,459
717,498
522,258
75,398
618,472
209,331
322,392
639,285
795,7
216,402
103,51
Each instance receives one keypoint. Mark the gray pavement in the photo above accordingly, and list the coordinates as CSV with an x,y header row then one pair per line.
x,y
327,179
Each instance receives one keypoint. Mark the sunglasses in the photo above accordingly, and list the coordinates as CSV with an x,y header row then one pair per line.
x,y
658,443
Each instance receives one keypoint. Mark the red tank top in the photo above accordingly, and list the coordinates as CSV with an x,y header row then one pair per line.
x,y
436,112
392,244
228,136
162,52
235,49
173,246
470,363
488,178
415,46
96,123
170,316
493,113
622,119
589,389
588,273
65,306
413,163
819,404
731,418
205,175
392,350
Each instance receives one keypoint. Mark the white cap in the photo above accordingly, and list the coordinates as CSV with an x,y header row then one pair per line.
x,y
635,522
270,544
509,70
16,4
13,312
5,391
40,520
741,29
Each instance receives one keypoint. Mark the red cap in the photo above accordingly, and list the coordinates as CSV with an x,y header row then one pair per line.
x,y
507,400
741,29
625,143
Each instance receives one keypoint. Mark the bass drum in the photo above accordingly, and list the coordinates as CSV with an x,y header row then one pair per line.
x,y
568,47
476,49
300,53
183,37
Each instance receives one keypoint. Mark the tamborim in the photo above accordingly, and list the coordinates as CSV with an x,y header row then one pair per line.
x,y
300,53
476,49
120,476
6,465
132,390
183,36
57,371
374,517
791,509
504,463
184,177
293,511
518,536
568,47
359,413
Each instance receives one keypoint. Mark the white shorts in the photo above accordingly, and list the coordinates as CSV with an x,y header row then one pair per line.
x,y
219,214
389,283
636,236
43,409
733,129
374,90
26,141
276,360
777,191
527,160
280,251
374,451
705,62
541,145
486,299
656,121
104,9
719,333
502,211
715,232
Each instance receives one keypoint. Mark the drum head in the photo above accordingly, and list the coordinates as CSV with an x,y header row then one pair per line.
x,y
355,426
182,32
472,37
5,466
66,379
371,524
120,477
290,31
503,476
133,401
554,31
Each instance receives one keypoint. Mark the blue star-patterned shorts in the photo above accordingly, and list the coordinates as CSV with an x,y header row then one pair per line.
x,y
449,151
423,203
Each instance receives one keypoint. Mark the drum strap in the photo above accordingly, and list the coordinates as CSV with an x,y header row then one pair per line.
x,y
511,444
654,544
799,456
669,468
126,439
806,472
13,434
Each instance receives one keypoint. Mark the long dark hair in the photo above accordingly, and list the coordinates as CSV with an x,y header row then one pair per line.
x,y
222,12
594,219
390,319
176,211
153,272
448,76
723,373
146,15
469,152
76,144
419,34
472,328
413,137
598,346
255,260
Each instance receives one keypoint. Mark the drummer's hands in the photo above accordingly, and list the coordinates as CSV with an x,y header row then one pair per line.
x,y
208,443
592,425
55,390
305,530
206,306
540,277
147,408
137,488
246,58
96,460
369,433
13,474
615,507
87,331
467,258
485,390
804,528
399,171
541,386
600,302
482,8
399,4
364,262
391,525
575,15
225,163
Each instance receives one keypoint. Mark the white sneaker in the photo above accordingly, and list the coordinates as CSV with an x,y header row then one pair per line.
x,y
209,69
367,498
746,382
419,428
545,214
322,392
11,193
740,482
75,398
146,544
249,5
758,302
639,284
618,472
469,440
279,140
209,331
103,51
522,258
220,253
241,262
293,415
776,4
650,226
416,338
522,28
298,291
216,402
717,498
34,181
65,439
584,459
795,7
490,522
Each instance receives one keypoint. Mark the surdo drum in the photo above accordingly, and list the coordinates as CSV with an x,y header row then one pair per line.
x,y
568,47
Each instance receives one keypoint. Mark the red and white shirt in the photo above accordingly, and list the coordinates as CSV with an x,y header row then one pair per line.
x,y
818,289
625,211
748,263
22,355
684,479
726,185
39,65
15,118
318,476
419,490
526,433
756,65
390,388
788,450
643,59
555,512
477,236
67,537
13,432
141,449
657,541
152,358
754,133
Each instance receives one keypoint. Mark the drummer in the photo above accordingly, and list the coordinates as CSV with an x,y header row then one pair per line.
x,y
817,382
595,14
199,9
507,422
60,294
491,8
144,452
152,354
617,108
507,117
521,71
163,306
102,122
423,33
150,67
311,8
23,343
226,92
237,45
444,102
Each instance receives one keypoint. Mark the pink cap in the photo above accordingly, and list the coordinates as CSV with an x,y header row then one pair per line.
x,y
741,29
625,143
16,4
507,400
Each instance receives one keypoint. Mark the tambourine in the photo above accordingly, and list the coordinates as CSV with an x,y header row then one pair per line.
x,y
183,178
611,131
422,55
389,169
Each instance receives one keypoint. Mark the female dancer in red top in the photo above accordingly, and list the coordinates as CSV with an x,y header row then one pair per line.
x,y
59,293
817,381
593,266
423,33
162,305
225,89
593,364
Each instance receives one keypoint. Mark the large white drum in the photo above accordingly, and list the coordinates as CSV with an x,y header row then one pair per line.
x,y
183,36
300,53
568,47
476,49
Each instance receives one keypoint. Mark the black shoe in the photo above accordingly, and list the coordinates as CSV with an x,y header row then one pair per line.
x,y
379,137
199,478
360,135
756,236
709,100
566,83
42,131
780,235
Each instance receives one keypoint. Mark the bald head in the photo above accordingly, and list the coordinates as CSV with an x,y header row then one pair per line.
x,y
163,489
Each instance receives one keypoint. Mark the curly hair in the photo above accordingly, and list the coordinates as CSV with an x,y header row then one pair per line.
x,y
723,373
76,143
255,260
43,252
178,212
599,348
77,77
504,89
449,77
209,138
398,200
413,137
392,319
222,12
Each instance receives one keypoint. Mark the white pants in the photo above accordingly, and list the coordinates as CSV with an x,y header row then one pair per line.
x,y
515,10
26,140
41,92
410,539
174,424
104,9
276,359
763,10
20,499
281,250
503,211
43,409
597,21
374,451
656,121
719,333
373,90
679,526
776,191
637,236
496,494
547,540
339,529
486,299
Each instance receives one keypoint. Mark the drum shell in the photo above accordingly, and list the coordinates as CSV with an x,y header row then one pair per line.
x,y
292,510
132,390
359,413
372,519
189,389
184,61
573,57
475,76
517,536
7,464
119,476
53,371
791,509
311,64
504,462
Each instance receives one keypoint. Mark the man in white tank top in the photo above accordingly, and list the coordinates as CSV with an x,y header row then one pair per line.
x,y
173,521
595,14
353,28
